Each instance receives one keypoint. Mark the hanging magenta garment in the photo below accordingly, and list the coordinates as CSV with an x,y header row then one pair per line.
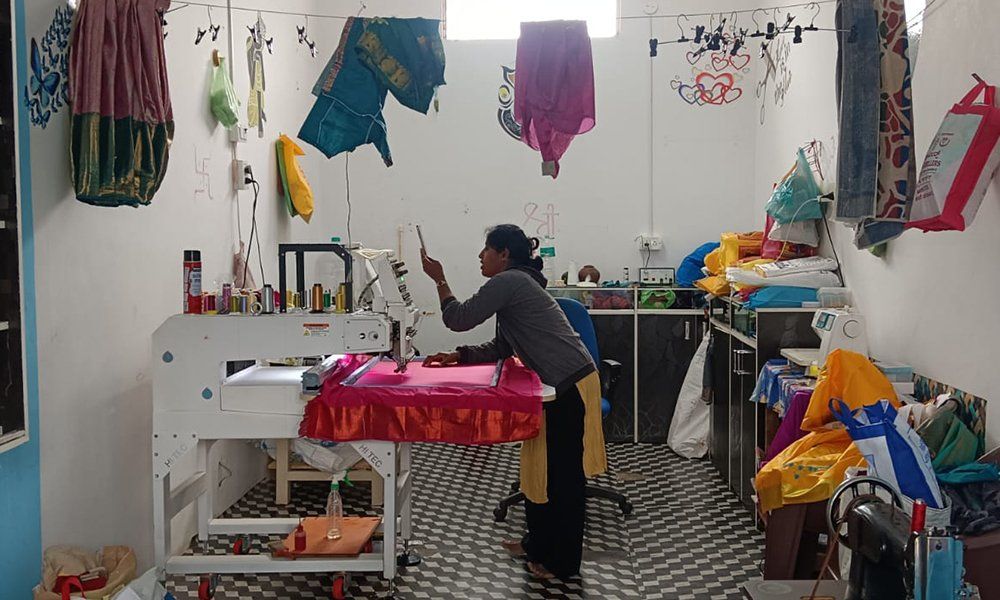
x,y
554,87
456,405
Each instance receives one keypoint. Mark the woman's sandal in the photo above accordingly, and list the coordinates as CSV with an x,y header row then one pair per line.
x,y
514,548
539,572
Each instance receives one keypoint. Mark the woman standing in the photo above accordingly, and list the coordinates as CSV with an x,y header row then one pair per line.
x,y
570,446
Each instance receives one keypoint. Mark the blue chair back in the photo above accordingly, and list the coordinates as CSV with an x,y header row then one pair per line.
x,y
580,321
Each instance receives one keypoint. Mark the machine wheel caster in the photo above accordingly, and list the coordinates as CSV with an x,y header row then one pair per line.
x,y
626,508
515,487
500,514
206,588
241,546
408,559
339,589
368,547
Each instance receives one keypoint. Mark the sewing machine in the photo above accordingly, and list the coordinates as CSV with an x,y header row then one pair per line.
x,y
865,515
197,402
837,328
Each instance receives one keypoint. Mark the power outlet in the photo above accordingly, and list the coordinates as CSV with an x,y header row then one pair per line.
x,y
238,134
650,243
241,175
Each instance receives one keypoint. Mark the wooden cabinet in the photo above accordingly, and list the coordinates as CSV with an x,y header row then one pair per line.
x,y
743,341
616,341
667,343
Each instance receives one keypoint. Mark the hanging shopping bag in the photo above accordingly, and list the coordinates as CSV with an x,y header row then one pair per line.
x,y
222,95
894,451
796,198
959,164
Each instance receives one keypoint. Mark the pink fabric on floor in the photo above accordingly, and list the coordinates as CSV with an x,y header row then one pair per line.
x,y
554,87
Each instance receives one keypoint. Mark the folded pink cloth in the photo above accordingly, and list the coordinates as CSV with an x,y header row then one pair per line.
x,y
554,87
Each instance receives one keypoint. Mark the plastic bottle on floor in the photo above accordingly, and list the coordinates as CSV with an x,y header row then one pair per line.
x,y
334,513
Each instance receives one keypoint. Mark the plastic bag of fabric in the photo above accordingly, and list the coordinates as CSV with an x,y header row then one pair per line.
x,y
800,232
689,270
62,567
851,377
739,246
808,470
784,250
894,451
688,435
742,277
797,196
222,96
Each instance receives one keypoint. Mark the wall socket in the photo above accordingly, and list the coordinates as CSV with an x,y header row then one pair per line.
x,y
241,175
652,243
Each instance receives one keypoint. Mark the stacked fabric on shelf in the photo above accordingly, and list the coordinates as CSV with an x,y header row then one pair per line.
x,y
811,272
778,382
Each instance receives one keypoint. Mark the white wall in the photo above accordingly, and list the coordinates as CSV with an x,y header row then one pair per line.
x,y
108,277
927,300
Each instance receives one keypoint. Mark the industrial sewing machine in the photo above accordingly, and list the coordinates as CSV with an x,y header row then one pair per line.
x,y
197,402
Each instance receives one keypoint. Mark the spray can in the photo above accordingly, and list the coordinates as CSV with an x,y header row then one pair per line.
x,y
192,282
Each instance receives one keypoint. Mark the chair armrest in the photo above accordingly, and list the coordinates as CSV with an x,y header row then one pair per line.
x,y
610,372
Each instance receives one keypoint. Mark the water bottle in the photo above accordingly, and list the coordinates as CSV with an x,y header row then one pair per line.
x,y
334,512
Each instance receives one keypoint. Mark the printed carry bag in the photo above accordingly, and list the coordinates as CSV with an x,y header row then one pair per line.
x,y
893,450
959,164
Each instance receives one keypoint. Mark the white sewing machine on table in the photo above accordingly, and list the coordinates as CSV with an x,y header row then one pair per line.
x,y
195,404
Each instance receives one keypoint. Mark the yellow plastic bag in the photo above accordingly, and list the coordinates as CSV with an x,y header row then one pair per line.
x,y
852,378
715,285
738,246
808,470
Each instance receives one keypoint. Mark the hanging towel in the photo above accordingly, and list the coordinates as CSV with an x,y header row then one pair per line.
x,y
122,121
374,57
554,87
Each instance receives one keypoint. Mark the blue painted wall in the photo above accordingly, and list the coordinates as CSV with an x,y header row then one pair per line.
x,y
20,502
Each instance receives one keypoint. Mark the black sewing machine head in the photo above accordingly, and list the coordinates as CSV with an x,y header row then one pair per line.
x,y
876,530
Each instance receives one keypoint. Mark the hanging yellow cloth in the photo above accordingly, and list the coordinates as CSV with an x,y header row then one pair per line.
x,y
852,378
293,179
534,457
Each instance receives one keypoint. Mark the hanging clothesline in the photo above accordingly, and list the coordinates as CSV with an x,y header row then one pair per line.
x,y
766,9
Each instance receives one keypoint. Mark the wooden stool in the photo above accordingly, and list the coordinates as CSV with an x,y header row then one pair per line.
x,y
286,471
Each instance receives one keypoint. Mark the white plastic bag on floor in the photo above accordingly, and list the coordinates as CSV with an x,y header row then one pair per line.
x,y
143,588
688,434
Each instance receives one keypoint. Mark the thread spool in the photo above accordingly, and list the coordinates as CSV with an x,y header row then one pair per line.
x,y
244,304
297,300
267,300
327,299
234,305
342,298
317,298
227,294
208,302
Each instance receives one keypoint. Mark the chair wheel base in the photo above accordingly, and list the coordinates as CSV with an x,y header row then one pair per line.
x,y
499,514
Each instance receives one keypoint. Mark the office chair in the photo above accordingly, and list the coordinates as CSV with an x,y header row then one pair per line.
x,y
610,372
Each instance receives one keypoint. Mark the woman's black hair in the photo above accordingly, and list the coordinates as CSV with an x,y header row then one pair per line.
x,y
520,246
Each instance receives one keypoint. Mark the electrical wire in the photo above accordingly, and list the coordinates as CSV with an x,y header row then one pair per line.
x,y
347,179
254,231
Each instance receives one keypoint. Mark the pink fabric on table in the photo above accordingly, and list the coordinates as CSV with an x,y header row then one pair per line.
x,y
790,429
554,87
417,375
454,404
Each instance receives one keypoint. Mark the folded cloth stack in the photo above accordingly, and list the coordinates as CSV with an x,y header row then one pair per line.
x,y
812,272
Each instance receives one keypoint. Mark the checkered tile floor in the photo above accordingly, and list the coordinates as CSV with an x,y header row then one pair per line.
x,y
689,538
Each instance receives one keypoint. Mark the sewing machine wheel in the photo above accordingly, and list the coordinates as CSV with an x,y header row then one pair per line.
x,y
836,515
340,585
206,588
